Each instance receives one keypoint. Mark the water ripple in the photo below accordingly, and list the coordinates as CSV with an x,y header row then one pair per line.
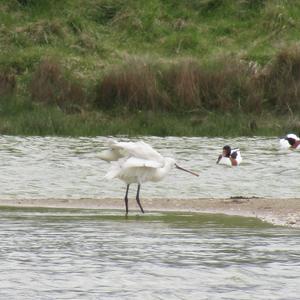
x,y
55,167
89,255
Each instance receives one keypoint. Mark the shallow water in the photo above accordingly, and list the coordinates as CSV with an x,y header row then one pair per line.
x,y
54,167
83,254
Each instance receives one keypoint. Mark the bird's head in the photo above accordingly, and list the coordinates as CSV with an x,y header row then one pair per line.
x,y
292,136
172,162
291,140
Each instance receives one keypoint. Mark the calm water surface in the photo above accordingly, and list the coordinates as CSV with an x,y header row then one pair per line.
x,y
82,254
36,167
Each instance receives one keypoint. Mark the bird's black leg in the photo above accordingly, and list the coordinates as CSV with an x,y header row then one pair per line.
x,y
126,199
138,198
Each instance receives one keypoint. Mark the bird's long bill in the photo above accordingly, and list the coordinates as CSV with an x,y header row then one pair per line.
x,y
191,172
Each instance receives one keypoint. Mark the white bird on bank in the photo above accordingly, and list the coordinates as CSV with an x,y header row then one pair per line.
x,y
290,141
137,162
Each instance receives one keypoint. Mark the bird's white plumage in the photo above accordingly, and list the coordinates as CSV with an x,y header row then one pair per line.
x,y
110,155
284,143
135,162
130,149
293,136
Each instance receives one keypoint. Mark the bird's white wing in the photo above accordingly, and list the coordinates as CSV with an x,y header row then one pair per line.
x,y
114,153
138,150
125,165
284,144
110,155
134,162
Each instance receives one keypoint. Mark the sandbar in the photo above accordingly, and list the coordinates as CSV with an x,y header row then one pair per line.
x,y
279,211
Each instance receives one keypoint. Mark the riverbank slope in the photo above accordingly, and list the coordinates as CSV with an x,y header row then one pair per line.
x,y
107,67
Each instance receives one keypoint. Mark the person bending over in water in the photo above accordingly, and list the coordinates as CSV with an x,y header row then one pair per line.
x,y
229,157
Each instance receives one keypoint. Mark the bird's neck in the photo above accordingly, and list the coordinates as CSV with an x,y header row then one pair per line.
x,y
162,172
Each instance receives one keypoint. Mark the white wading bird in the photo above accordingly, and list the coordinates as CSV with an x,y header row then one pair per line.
x,y
137,163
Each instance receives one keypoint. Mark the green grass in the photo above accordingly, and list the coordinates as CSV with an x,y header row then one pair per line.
x,y
91,38
21,117
108,30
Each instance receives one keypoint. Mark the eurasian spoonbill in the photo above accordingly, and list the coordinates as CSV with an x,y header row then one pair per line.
x,y
137,162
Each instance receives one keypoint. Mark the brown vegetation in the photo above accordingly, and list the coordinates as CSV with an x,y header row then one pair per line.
x,y
50,85
220,88
7,83
186,85
135,86
281,80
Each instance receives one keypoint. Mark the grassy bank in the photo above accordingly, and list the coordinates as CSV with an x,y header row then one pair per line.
x,y
106,67
26,118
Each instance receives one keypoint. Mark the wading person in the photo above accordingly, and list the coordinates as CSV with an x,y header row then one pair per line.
x,y
229,157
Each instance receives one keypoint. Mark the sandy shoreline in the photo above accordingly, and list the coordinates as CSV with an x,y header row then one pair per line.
x,y
276,211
